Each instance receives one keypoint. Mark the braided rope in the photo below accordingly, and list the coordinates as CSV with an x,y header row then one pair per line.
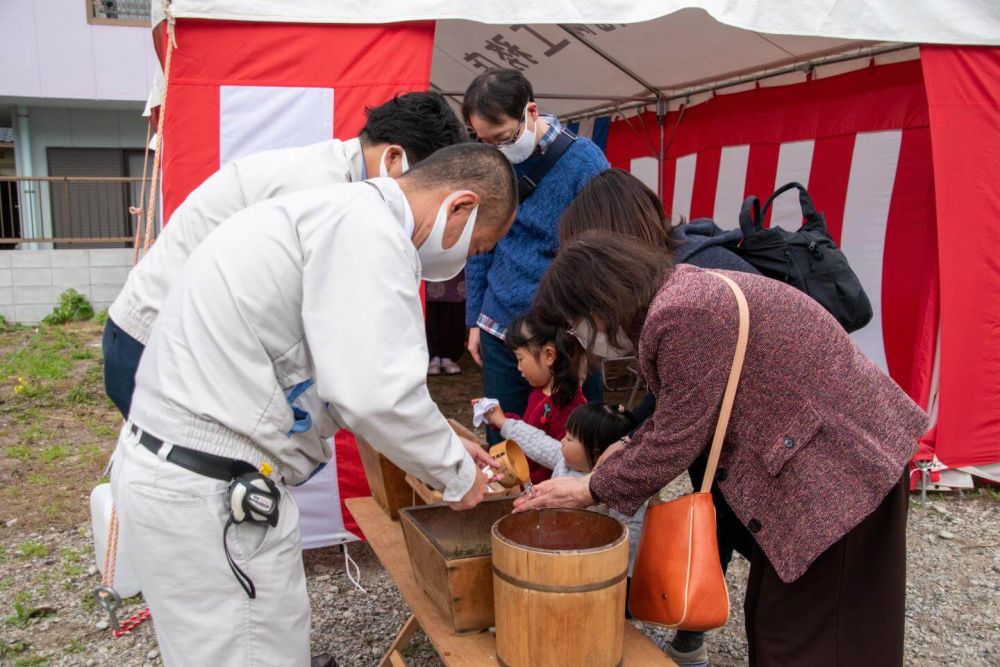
x,y
138,210
157,156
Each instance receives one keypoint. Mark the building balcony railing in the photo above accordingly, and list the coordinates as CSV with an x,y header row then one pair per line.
x,y
69,211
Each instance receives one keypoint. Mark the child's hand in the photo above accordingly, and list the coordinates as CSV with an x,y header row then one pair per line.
x,y
496,417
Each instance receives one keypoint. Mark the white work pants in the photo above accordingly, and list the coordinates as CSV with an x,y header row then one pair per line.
x,y
171,521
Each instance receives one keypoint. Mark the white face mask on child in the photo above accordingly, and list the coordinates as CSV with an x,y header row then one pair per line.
x,y
598,342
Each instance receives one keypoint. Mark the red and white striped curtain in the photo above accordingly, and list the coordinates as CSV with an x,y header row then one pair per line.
x,y
239,88
860,143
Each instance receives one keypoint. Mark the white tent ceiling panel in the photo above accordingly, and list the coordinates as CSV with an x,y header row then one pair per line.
x,y
686,48
952,22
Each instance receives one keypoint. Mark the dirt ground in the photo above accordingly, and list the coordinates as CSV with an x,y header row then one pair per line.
x,y
57,430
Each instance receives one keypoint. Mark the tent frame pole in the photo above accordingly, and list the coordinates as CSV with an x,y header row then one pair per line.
x,y
692,91
661,120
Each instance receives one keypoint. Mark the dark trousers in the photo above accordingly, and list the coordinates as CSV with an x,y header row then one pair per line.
x,y
730,531
502,381
445,325
731,534
121,360
848,607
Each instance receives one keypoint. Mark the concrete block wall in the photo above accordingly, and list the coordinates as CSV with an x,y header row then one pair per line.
x,y
32,280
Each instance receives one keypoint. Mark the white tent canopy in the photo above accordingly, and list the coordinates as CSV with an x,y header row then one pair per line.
x,y
935,21
587,57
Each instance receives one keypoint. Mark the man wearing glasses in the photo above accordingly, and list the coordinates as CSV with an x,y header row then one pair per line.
x,y
552,167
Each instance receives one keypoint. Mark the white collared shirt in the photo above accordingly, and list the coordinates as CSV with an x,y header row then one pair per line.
x,y
321,284
397,201
239,184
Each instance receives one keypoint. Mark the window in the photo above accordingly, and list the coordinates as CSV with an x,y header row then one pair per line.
x,y
94,202
119,12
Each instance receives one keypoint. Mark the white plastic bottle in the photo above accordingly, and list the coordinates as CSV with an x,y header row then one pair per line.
x,y
125,582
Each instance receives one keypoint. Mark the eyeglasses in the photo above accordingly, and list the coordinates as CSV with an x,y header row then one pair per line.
x,y
507,142
513,137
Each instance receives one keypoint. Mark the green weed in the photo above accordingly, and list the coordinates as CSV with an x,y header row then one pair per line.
x,y
73,564
32,549
76,646
73,306
23,613
79,395
19,451
35,433
14,647
33,661
53,453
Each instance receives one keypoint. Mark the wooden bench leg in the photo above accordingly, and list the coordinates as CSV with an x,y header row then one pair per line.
x,y
392,657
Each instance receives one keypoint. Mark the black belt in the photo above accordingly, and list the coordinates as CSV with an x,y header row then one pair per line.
x,y
209,465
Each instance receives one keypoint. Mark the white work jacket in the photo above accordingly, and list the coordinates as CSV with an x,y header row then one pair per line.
x,y
239,184
322,284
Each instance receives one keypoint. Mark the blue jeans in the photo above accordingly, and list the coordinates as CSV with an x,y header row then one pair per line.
x,y
121,360
502,380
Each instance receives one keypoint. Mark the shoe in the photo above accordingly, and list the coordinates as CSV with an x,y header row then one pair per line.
x,y
449,367
323,660
434,367
694,658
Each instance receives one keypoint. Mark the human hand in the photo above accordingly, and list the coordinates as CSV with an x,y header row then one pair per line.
x,y
496,417
479,455
557,492
612,448
474,347
474,495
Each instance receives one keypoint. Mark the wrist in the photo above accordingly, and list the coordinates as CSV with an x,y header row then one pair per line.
x,y
587,494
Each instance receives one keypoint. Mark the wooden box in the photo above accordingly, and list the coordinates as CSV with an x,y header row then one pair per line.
x,y
387,482
391,487
452,560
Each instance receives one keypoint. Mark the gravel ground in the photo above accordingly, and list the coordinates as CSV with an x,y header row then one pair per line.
x,y
47,616
953,609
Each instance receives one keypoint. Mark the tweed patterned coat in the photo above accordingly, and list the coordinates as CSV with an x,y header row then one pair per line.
x,y
818,435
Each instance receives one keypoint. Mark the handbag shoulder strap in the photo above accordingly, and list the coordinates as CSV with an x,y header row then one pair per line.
x,y
735,370
527,183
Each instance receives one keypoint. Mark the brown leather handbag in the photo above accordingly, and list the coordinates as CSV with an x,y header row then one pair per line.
x,y
677,581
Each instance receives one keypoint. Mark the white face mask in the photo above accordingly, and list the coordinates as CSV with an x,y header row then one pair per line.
x,y
524,146
383,171
602,347
437,262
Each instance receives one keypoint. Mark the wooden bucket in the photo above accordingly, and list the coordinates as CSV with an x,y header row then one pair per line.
x,y
559,588
515,469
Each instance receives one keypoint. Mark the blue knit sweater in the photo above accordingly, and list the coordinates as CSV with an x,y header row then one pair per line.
x,y
500,284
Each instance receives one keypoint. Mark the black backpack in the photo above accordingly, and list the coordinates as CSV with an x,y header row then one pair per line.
x,y
807,259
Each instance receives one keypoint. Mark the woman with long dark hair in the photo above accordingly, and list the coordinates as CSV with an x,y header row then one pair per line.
x,y
814,459
618,202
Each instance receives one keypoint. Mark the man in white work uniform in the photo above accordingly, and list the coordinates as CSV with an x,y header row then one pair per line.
x,y
402,131
318,285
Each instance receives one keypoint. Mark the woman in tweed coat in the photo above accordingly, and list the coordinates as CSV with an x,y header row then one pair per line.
x,y
813,462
